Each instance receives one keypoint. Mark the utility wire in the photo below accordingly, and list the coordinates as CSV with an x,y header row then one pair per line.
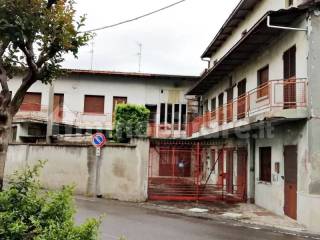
x,y
136,18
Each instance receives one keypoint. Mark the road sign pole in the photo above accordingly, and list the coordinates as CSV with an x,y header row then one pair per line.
x,y
98,166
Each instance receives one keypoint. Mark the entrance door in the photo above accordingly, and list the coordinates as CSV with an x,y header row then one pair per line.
x,y
289,84
242,171
58,107
220,167
291,180
229,174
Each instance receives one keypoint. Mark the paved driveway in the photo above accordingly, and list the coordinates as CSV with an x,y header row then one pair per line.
x,y
136,223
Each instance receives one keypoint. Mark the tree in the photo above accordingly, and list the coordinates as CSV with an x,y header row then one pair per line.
x,y
33,41
29,213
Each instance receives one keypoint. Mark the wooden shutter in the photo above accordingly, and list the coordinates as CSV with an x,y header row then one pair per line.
x,y
263,79
242,85
230,105
289,73
94,104
31,102
265,164
221,113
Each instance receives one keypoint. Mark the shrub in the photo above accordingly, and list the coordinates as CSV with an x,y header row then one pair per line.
x,y
29,213
130,121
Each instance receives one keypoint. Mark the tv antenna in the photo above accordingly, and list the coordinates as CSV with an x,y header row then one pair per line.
x,y
140,55
92,55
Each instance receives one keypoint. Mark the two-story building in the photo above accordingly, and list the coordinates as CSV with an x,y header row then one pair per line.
x,y
84,101
260,99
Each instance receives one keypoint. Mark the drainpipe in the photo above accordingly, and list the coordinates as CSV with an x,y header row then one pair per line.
x,y
307,29
206,60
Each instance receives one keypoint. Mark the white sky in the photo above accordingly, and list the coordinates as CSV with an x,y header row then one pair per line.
x,y
173,40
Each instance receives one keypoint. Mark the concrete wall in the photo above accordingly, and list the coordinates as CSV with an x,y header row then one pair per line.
x,y
123,168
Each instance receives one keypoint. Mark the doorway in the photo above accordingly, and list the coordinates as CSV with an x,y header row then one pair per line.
x,y
290,180
289,83
58,107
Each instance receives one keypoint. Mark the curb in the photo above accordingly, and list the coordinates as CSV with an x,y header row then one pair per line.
x,y
237,222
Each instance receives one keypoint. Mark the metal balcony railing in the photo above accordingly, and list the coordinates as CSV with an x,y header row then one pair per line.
x,y
274,96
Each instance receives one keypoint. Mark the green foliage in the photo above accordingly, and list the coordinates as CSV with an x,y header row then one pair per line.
x,y
36,37
131,121
28,213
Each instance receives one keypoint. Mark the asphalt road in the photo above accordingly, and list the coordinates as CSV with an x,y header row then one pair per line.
x,y
136,223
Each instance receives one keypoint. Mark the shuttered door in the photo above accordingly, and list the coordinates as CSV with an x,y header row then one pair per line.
x,y
94,104
229,174
31,102
221,113
242,98
220,168
289,72
263,78
230,105
291,180
242,171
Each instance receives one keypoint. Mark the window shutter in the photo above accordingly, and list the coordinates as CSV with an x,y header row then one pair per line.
x,y
94,104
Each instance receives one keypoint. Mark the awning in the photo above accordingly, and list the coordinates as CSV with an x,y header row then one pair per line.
x,y
258,37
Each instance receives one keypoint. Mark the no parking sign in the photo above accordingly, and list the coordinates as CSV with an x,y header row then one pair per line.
x,y
98,140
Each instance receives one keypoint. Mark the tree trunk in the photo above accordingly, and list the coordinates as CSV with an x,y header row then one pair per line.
x,y
5,137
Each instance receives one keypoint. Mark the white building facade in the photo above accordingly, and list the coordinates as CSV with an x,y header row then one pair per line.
x,y
259,97
85,102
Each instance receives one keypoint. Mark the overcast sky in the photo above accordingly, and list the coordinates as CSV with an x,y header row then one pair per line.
x,y
172,40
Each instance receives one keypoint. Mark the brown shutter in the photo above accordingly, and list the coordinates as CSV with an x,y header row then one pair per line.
x,y
263,78
265,164
31,102
94,104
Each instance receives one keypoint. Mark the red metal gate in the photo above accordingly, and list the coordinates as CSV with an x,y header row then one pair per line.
x,y
176,173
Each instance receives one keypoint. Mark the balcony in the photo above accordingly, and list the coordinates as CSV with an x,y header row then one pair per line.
x,y
285,99
39,114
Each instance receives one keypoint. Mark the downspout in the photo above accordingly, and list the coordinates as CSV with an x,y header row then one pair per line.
x,y
206,60
307,29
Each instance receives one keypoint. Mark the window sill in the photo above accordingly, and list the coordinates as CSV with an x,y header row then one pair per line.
x,y
93,114
264,182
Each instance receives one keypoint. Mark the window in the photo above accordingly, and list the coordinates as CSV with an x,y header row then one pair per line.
x,y
263,79
176,116
94,104
162,113
183,116
265,164
31,102
169,113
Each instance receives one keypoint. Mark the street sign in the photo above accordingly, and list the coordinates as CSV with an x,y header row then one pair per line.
x,y
98,140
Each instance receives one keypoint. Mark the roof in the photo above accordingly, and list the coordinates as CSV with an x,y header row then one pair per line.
x,y
237,16
132,74
259,36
